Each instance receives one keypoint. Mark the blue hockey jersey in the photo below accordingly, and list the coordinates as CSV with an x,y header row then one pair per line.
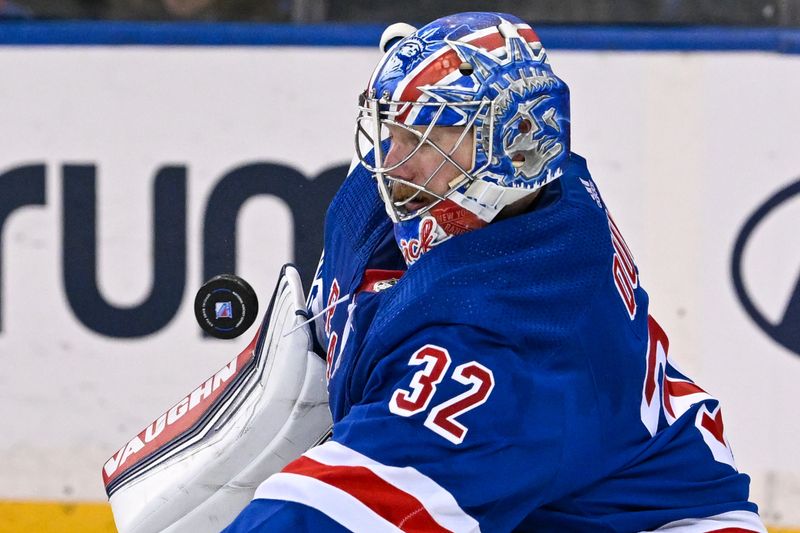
x,y
511,379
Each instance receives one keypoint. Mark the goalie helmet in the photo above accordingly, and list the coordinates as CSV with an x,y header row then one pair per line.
x,y
488,74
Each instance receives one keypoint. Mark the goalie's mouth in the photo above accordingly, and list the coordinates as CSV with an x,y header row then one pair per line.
x,y
408,199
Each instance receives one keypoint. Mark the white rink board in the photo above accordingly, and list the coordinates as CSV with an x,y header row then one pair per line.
x,y
684,147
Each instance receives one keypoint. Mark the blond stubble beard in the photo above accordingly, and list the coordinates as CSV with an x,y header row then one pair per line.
x,y
402,192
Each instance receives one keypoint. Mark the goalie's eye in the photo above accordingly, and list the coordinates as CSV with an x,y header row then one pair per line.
x,y
400,136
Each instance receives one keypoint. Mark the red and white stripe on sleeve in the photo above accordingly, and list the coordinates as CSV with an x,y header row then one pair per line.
x,y
365,495
730,522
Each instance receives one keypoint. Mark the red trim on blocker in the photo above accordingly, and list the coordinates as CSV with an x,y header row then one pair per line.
x,y
390,503
180,418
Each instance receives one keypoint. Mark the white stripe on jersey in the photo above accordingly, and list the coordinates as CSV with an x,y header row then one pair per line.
x,y
337,504
738,519
441,505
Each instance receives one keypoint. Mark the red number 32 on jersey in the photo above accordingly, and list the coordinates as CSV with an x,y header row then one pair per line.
x,y
442,418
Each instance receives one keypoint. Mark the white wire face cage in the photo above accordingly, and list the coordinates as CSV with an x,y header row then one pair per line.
x,y
375,117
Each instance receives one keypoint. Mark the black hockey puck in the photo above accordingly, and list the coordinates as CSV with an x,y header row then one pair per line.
x,y
225,306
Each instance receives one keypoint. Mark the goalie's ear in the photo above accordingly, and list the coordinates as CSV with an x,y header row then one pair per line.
x,y
198,464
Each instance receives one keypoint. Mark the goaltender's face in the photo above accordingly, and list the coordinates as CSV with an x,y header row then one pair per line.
x,y
427,167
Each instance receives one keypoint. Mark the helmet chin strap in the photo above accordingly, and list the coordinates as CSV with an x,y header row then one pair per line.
x,y
487,199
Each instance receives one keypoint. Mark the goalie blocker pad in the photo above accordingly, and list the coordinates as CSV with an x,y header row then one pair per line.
x,y
198,465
